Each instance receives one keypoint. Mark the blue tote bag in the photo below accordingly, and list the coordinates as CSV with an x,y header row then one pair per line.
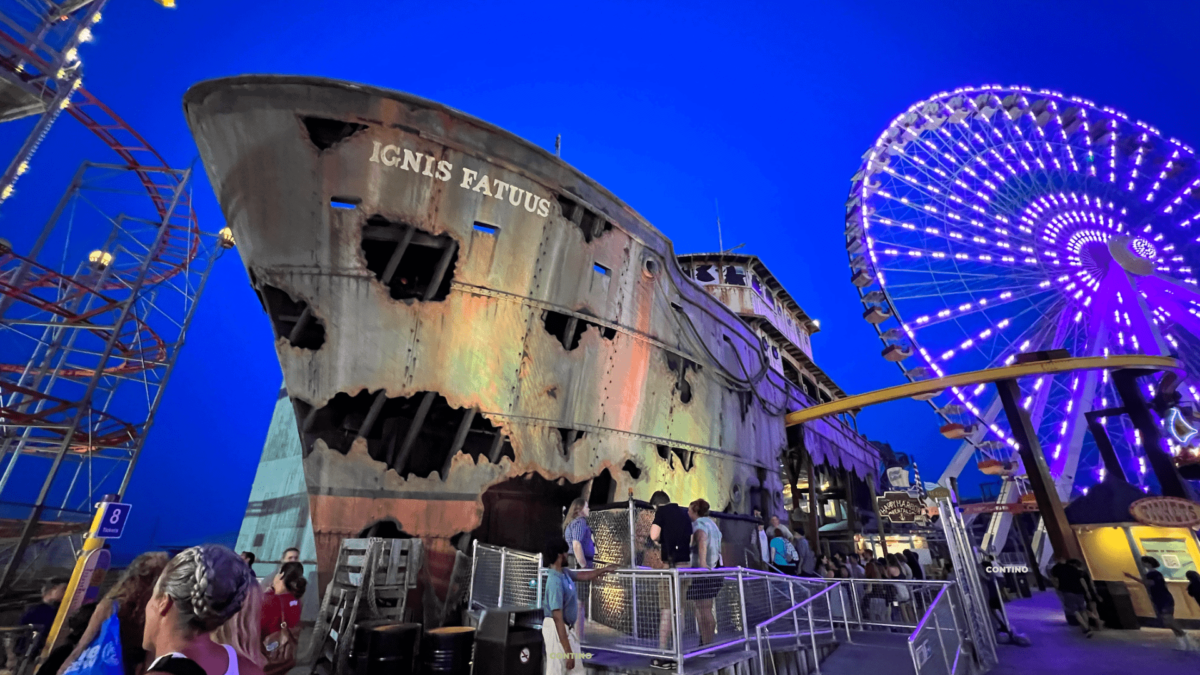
x,y
103,656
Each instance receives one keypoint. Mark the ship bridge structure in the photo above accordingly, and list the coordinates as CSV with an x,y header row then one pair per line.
x,y
473,334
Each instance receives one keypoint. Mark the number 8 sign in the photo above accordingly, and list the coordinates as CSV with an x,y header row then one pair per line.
x,y
112,520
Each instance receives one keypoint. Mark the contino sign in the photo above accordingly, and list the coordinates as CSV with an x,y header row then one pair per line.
x,y
1166,512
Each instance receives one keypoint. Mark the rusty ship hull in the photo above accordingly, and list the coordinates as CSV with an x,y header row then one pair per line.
x,y
471,331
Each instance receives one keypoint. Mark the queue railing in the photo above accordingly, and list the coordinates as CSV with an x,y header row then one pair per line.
x,y
679,614
936,645
802,625
894,605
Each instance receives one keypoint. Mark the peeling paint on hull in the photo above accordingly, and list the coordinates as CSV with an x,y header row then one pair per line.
x,y
485,346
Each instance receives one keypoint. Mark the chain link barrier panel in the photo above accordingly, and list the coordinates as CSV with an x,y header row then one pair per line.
x,y
504,577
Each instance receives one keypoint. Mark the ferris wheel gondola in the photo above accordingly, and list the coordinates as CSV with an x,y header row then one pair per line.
x,y
990,222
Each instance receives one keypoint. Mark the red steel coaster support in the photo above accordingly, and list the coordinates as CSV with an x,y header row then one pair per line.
x,y
88,341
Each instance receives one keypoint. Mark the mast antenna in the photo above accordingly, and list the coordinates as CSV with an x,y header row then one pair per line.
x,y
720,243
558,146
720,246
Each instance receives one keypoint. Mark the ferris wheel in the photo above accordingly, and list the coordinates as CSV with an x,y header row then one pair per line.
x,y
989,222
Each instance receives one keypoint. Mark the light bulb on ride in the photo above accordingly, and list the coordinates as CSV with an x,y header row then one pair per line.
x,y
101,259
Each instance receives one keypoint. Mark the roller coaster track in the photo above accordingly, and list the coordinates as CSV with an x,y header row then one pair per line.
x,y
77,301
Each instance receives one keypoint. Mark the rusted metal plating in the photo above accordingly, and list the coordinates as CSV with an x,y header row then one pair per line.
x,y
485,312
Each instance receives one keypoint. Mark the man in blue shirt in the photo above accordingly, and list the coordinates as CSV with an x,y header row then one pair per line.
x,y
1163,601
561,604
43,613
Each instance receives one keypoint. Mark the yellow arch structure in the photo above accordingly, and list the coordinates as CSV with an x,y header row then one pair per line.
x,y
911,389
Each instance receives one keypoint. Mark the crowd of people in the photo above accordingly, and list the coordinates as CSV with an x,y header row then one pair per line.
x,y
202,612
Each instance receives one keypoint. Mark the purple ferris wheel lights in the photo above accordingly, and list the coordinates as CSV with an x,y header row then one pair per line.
x,y
1144,249
1000,220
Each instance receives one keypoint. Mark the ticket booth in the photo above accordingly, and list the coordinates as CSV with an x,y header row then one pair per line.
x,y
1114,549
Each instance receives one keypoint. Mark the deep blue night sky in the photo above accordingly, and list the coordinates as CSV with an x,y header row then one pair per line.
x,y
766,108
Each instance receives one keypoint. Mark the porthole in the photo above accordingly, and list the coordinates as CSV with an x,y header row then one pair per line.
x,y
650,268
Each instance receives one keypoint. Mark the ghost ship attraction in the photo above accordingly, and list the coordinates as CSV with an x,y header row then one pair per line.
x,y
472,332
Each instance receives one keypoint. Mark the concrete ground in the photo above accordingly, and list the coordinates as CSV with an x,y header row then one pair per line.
x,y
1060,648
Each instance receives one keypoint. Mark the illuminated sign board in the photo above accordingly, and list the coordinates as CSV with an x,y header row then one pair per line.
x,y
1179,428
1166,512
900,507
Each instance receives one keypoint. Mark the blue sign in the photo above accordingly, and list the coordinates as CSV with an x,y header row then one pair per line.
x,y
112,520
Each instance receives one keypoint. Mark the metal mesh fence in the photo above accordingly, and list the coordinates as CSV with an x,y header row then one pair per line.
x,y
503,577
485,577
629,611
610,532
768,594
636,610
679,614
520,583
710,613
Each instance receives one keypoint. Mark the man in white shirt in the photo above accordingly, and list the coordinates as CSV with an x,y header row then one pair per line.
x,y
787,534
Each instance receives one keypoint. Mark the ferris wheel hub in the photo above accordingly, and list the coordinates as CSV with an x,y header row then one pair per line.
x,y
1135,254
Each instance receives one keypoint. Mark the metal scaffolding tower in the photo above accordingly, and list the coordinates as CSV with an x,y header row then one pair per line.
x,y
94,313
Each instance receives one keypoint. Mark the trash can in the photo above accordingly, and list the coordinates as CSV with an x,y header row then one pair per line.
x,y
509,642
386,648
1023,589
447,651
1116,605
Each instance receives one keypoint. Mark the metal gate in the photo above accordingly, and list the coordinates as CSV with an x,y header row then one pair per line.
x,y
973,606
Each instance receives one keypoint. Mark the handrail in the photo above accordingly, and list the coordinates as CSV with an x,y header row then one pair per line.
x,y
951,669
798,605
902,580
758,629
928,613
